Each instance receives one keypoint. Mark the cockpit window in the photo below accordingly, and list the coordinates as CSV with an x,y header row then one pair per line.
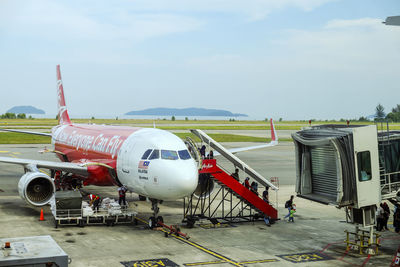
x,y
184,154
155,154
147,153
169,154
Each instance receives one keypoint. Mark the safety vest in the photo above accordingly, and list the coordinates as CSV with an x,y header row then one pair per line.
x,y
94,197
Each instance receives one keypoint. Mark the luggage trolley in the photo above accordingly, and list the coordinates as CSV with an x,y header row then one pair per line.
x,y
67,210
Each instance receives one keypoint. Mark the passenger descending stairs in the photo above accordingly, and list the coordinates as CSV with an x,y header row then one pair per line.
x,y
210,166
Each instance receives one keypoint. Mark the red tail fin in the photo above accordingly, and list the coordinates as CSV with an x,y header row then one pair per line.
x,y
63,117
274,136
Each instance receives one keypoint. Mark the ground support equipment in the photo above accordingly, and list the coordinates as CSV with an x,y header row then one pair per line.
x,y
75,217
235,204
363,241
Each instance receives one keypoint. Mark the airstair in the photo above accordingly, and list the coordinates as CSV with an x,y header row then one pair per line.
x,y
232,158
233,202
252,199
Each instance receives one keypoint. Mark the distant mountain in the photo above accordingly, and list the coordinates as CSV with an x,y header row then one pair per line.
x,y
26,110
185,112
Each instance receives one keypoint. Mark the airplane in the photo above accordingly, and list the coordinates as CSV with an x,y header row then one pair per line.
x,y
151,162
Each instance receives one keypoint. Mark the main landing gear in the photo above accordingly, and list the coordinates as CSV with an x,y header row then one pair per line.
x,y
155,220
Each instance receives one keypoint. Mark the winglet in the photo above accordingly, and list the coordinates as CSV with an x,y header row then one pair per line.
x,y
274,136
63,117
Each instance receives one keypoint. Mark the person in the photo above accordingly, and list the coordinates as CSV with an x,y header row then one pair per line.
x,y
211,155
267,220
122,193
379,217
235,175
289,205
95,201
254,187
292,212
203,151
396,220
247,183
386,215
265,194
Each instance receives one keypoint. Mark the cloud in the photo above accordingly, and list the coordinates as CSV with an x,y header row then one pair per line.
x,y
252,9
48,19
348,23
336,71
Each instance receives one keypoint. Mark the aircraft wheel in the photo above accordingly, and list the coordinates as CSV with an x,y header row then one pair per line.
x,y
160,219
152,222
142,198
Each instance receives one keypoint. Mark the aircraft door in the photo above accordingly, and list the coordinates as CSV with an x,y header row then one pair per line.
x,y
127,165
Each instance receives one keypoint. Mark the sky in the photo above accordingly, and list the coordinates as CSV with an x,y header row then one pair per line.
x,y
290,59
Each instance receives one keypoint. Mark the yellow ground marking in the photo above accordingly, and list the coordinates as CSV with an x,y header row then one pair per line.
x,y
224,259
3,151
216,262
258,261
203,263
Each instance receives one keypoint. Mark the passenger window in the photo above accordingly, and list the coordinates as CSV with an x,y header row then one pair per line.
x,y
169,154
184,154
364,166
155,154
147,153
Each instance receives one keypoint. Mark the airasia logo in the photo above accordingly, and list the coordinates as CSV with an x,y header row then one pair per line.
x,y
207,166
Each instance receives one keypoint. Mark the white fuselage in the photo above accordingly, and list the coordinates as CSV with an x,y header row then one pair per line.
x,y
169,175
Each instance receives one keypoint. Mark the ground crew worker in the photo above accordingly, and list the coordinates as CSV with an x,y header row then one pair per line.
x,y
95,201
122,192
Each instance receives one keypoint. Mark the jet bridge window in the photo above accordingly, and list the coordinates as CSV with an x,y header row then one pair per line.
x,y
169,154
184,154
364,166
155,154
147,153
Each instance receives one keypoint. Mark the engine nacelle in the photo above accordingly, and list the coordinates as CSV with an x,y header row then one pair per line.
x,y
36,188
205,186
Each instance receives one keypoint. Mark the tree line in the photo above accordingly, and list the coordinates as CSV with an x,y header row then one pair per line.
x,y
393,116
10,115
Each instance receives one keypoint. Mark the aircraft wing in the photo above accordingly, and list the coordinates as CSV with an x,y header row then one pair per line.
x,y
26,132
274,142
247,148
52,165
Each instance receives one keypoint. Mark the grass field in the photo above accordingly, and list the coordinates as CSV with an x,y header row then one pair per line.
x,y
20,138
46,124
183,124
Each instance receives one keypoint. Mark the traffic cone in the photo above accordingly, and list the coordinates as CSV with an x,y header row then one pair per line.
x,y
41,215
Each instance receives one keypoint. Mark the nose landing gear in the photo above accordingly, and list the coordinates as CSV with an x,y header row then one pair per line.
x,y
155,220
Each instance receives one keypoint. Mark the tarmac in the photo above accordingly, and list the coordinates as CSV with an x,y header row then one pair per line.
x,y
316,238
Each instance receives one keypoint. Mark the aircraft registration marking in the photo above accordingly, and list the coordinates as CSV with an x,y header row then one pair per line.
x,y
150,263
305,257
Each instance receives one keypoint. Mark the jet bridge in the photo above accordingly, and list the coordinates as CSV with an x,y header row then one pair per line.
x,y
232,158
338,165
353,167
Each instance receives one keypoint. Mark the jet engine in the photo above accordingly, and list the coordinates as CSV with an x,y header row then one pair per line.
x,y
205,186
36,188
